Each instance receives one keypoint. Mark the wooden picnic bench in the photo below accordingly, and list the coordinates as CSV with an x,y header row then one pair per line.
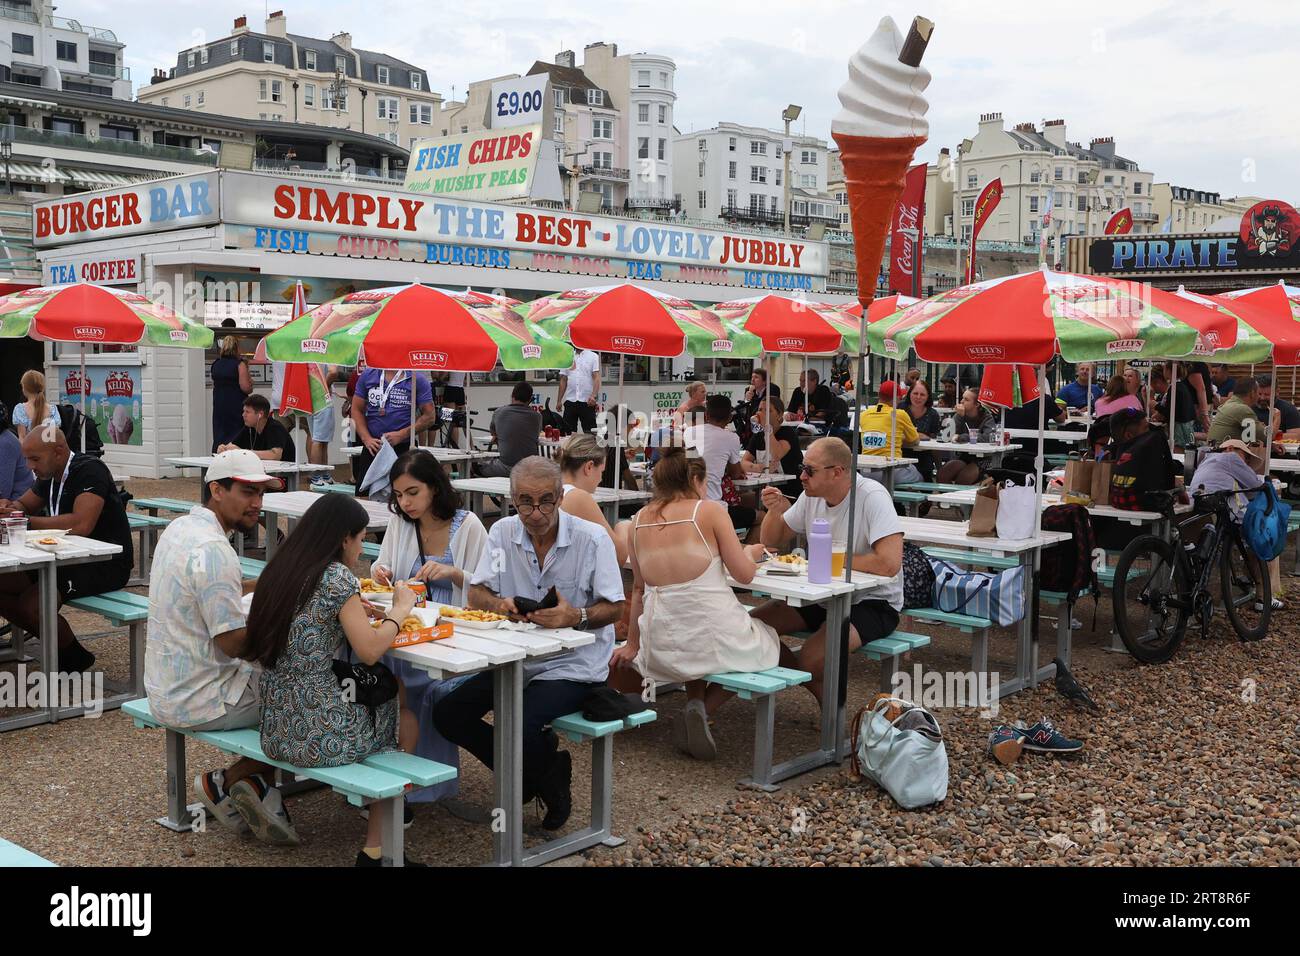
x,y
380,781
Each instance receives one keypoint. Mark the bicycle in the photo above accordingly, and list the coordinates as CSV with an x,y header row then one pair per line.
x,y
1159,584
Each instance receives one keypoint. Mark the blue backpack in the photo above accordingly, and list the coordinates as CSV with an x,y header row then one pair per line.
x,y
1265,522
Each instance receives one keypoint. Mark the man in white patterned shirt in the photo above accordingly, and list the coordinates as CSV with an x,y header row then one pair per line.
x,y
192,673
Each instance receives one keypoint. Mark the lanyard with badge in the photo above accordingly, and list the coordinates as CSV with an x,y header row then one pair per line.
x,y
384,389
55,497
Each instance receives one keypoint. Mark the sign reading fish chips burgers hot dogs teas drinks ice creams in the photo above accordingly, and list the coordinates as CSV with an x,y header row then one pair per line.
x,y
273,214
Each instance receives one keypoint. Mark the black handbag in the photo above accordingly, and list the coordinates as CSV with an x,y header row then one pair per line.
x,y
369,684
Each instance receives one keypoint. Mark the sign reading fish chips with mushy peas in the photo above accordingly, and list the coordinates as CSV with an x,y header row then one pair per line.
x,y
487,165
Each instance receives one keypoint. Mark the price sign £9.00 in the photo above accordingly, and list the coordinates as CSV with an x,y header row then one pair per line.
x,y
517,102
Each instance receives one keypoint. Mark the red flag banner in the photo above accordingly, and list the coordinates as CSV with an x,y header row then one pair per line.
x,y
1120,223
904,249
984,206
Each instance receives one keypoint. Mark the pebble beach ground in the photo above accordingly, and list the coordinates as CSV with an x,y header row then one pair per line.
x,y
1192,762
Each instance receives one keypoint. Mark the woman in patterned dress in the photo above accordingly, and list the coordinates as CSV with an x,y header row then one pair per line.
x,y
306,607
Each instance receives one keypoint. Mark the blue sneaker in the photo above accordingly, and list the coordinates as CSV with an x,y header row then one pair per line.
x,y
1005,744
1043,737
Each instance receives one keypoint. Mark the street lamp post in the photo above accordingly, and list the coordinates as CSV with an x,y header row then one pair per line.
x,y
963,147
789,114
7,151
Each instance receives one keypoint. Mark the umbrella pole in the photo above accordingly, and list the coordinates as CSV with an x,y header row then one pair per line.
x,y
82,390
1269,437
618,425
858,395
1040,479
469,445
767,413
1173,402
893,419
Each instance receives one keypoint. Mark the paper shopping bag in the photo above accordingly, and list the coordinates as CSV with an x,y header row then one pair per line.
x,y
1078,476
1101,472
984,516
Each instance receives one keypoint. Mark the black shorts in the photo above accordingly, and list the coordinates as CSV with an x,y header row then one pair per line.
x,y
741,515
872,619
87,580
453,395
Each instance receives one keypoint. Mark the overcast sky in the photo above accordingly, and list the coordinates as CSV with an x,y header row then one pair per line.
x,y
1199,92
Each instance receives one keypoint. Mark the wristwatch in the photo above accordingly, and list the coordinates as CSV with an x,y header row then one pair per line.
x,y
582,619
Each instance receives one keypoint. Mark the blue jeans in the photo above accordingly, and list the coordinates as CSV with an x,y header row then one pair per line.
x,y
459,718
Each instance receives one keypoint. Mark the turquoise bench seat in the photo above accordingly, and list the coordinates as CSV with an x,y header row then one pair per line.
x,y
888,650
338,489
250,568
762,687
11,854
934,487
370,549
977,627
154,505
974,558
379,779
748,685
131,611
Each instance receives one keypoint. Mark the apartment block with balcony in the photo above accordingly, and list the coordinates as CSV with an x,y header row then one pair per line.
x,y
59,53
734,174
279,76
1193,210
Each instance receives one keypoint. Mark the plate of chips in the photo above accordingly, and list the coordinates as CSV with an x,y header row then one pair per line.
x,y
471,618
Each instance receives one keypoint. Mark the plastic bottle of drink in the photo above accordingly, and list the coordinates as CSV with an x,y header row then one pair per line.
x,y
819,552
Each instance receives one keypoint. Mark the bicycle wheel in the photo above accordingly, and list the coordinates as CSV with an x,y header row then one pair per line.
x,y
1151,598
1246,589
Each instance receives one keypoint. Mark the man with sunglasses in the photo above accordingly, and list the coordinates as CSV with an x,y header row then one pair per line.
x,y
877,549
529,553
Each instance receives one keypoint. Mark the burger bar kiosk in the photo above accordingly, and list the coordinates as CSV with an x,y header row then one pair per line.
x,y
228,247
1264,249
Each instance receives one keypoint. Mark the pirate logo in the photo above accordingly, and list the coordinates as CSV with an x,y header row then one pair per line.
x,y
1267,229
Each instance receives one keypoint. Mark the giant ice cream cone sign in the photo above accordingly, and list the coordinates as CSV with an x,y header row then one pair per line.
x,y
878,129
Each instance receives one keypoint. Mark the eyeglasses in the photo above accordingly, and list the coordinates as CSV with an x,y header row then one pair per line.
x,y
809,470
546,506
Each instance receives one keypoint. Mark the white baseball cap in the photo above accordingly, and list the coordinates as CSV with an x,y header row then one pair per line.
x,y
241,465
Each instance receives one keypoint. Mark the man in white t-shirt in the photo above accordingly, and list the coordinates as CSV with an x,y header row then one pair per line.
x,y
878,549
720,449
580,392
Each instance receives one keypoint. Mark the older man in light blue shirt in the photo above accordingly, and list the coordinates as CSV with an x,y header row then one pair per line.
x,y
528,554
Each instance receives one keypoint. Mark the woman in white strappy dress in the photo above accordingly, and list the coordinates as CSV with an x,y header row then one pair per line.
x,y
686,620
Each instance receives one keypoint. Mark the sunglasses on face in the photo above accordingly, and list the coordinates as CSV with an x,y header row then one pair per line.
x,y
809,470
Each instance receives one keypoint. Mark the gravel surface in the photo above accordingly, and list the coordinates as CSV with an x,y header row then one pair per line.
x,y
1178,768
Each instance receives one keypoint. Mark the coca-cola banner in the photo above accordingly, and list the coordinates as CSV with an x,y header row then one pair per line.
x,y
112,397
904,248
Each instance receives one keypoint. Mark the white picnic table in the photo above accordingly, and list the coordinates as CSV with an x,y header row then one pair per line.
x,y
439,452
74,550
609,499
977,449
886,464
966,499
294,504
1285,466
953,534
291,469
838,596
502,652
1069,435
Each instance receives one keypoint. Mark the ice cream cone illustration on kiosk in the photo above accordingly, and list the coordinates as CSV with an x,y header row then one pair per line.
x,y
878,130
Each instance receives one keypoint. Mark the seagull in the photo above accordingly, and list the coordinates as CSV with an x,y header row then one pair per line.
x,y
1070,688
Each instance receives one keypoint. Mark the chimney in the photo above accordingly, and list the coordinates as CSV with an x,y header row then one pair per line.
x,y
277,25
1054,132
342,39
241,26
1104,146
1025,128
565,58
991,118
159,76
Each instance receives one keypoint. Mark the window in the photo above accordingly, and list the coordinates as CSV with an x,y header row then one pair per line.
x,y
808,182
24,43
643,79
421,114
331,100
643,147
1083,178
464,129
186,101
391,137
602,160
1033,204
701,169
387,106
559,98
808,156
340,64
381,75
416,82
972,180
234,49
663,115
163,101
663,80
277,91
1137,187
731,199
841,198
731,170
559,124
757,149
66,51
844,219
703,203
262,90
189,60
203,56
200,98
595,97
1035,176
968,207
758,174
755,205
778,177
643,113
268,52
773,205
663,148
309,95
731,144
1109,180
602,129
1059,174
1083,204
309,59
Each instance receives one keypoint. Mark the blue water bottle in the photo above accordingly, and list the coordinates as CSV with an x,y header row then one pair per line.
x,y
819,552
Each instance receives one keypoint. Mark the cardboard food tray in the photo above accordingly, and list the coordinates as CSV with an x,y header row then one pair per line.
x,y
432,632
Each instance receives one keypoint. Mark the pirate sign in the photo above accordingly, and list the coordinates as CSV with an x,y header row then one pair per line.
x,y
1268,229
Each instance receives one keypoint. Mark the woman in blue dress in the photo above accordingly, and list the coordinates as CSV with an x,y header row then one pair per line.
x,y
306,608
231,384
430,538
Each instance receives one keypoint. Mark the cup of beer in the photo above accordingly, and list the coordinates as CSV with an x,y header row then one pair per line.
x,y
838,551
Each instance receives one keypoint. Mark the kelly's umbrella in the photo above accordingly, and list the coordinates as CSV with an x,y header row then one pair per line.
x,y
84,313
304,388
1009,386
